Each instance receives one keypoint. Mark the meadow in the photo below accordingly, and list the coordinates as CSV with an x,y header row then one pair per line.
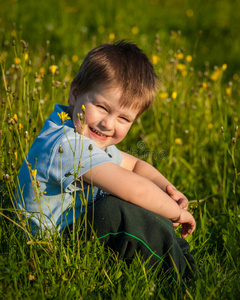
x,y
191,134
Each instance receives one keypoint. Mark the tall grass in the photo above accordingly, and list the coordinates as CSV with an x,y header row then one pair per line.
x,y
190,134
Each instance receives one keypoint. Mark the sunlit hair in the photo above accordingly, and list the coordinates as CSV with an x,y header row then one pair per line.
x,y
122,65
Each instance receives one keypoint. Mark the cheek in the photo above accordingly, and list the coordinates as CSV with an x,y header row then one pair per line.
x,y
122,131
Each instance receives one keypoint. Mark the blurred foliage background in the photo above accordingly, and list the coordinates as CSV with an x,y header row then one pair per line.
x,y
210,29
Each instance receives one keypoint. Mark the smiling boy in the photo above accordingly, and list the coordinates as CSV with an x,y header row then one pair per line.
x,y
135,206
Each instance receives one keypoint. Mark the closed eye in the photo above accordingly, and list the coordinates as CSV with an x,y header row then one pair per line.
x,y
125,119
102,107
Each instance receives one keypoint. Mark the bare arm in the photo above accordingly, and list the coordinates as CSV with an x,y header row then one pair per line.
x,y
144,169
138,190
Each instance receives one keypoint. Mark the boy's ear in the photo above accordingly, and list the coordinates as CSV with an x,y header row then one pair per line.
x,y
72,95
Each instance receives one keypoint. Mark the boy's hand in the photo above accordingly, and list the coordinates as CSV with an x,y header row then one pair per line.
x,y
188,223
177,196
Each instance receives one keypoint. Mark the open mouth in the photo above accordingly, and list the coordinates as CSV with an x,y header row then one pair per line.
x,y
98,134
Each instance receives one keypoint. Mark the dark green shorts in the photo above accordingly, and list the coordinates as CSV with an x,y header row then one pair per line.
x,y
127,229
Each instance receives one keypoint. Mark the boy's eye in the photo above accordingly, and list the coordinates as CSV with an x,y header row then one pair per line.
x,y
124,119
102,107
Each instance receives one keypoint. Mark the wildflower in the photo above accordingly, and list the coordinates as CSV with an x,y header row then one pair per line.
x,y
163,95
42,71
181,67
15,118
155,59
17,60
26,136
60,150
26,56
111,36
178,141
184,73
34,174
10,128
228,91
204,85
236,119
20,127
216,74
63,116
179,56
15,154
174,95
53,69
80,116
83,109
188,58
224,67
74,58
135,30
210,126
234,140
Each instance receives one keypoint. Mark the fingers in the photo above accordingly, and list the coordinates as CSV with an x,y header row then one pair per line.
x,y
177,196
187,228
183,203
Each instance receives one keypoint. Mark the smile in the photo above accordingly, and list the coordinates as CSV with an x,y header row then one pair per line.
x,y
98,134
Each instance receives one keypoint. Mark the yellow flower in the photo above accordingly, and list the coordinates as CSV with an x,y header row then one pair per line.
x,y
178,141
184,73
224,67
215,75
155,59
26,56
163,95
63,116
53,69
236,119
189,58
15,154
15,118
181,67
83,108
135,30
10,128
34,174
42,70
228,91
111,36
74,58
174,95
20,127
179,55
17,60
210,126
204,85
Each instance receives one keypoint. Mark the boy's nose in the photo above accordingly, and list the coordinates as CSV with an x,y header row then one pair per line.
x,y
107,123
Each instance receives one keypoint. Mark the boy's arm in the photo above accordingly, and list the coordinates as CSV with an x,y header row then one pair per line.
x,y
144,169
140,191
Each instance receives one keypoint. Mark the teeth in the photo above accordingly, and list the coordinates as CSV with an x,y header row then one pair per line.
x,y
97,132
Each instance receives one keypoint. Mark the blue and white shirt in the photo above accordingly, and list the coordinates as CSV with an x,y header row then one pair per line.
x,y
46,206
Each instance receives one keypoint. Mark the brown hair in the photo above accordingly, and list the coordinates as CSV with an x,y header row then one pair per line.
x,y
123,65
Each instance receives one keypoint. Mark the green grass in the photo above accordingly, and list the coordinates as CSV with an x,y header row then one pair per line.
x,y
190,134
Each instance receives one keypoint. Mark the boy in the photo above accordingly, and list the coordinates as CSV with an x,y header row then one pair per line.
x,y
132,207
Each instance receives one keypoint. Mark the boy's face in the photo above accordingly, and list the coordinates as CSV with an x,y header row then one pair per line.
x,y
107,123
